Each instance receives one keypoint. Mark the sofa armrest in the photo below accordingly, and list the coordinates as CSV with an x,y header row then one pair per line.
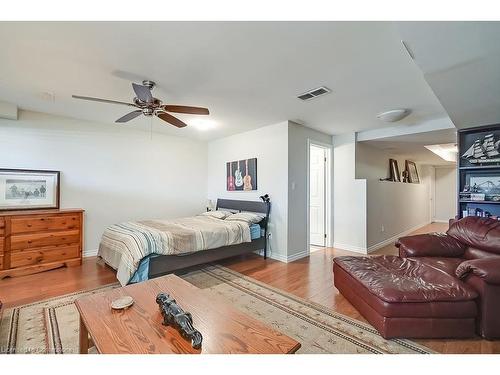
x,y
487,269
430,245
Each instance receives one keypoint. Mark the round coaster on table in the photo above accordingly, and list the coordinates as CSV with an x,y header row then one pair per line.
x,y
122,303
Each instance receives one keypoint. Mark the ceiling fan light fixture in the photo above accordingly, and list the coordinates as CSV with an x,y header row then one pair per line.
x,y
148,105
202,124
393,115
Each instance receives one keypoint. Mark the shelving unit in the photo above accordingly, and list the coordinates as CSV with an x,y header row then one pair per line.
x,y
484,173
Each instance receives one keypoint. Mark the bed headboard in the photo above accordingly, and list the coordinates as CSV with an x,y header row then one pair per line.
x,y
252,206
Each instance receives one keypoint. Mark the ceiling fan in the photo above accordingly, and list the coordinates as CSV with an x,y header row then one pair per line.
x,y
149,106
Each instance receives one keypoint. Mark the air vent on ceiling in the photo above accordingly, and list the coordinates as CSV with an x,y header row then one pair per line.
x,y
314,93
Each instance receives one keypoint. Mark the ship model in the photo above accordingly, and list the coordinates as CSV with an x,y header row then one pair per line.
x,y
485,151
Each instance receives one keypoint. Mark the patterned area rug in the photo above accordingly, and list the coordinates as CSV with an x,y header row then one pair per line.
x,y
52,326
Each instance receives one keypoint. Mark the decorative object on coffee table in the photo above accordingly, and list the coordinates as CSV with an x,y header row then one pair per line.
x,y
23,189
122,303
175,316
411,169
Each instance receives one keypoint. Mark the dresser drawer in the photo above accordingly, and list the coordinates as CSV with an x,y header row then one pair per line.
x,y
29,258
44,223
25,242
2,245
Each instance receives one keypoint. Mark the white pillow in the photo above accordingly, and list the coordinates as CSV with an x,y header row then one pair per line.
x,y
247,217
219,214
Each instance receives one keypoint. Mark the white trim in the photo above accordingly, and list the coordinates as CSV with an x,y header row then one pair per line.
x,y
388,241
440,221
90,253
297,256
355,249
278,257
291,258
328,192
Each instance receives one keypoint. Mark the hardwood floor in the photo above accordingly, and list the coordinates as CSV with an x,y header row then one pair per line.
x,y
309,278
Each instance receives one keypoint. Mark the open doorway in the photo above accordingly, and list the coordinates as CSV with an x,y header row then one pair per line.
x,y
319,196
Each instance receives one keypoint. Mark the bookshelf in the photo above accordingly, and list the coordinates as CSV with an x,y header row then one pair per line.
x,y
479,172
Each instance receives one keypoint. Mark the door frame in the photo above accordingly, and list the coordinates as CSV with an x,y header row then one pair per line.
x,y
328,192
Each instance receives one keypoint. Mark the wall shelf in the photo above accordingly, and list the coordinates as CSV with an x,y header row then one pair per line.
x,y
475,142
478,202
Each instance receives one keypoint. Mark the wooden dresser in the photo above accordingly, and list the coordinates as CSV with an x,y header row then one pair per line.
x,y
40,240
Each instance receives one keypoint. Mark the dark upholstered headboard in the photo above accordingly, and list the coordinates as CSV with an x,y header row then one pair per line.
x,y
252,206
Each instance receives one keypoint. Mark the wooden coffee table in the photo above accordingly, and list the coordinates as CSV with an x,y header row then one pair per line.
x,y
139,328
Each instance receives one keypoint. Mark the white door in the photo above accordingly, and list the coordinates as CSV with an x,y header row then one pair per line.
x,y
445,202
317,198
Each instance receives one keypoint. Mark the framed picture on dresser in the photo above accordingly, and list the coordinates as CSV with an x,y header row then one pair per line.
x,y
25,189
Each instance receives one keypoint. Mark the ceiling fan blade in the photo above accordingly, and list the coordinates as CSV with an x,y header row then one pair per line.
x,y
143,93
102,100
186,109
171,119
129,116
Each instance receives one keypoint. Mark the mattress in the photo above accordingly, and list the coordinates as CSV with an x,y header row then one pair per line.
x,y
142,272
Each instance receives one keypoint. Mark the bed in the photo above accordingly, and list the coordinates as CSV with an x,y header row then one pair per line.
x,y
150,248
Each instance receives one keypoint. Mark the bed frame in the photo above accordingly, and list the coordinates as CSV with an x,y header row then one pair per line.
x,y
164,264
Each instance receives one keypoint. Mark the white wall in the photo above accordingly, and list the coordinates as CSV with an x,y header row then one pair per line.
x,y
269,145
393,208
113,172
349,197
298,209
445,192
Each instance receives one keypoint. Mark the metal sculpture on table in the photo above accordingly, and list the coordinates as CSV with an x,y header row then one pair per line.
x,y
175,316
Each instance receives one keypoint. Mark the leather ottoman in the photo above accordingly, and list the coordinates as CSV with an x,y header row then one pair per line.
x,y
404,298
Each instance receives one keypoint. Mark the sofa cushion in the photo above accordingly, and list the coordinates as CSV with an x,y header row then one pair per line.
x,y
395,280
447,265
476,232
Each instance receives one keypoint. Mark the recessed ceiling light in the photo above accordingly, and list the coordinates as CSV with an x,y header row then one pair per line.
x,y
447,151
202,124
393,115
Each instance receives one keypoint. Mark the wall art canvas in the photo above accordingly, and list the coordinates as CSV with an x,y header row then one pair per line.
x,y
483,148
241,175
28,189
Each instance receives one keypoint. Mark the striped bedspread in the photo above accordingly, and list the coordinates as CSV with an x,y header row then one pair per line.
x,y
124,245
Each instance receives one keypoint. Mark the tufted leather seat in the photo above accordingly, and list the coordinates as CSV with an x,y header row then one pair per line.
x,y
441,285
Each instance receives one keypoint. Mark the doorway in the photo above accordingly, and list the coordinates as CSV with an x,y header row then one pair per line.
x,y
319,194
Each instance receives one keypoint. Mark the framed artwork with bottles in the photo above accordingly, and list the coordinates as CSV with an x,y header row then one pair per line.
x,y
241,175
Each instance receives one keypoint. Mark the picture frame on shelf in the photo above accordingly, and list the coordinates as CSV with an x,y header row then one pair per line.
x,y
412,172
27,189
394,171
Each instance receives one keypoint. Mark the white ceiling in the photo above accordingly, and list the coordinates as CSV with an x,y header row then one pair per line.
x,y
412,145
461,63
247,73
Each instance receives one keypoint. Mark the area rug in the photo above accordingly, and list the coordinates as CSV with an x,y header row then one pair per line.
x,y
52,326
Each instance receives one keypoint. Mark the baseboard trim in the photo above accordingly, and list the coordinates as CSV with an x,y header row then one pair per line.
x,y
393,239
90,253
297,256
440,221
355,249
288,259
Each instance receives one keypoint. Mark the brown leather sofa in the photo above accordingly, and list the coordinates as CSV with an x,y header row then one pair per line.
x,y
441,285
